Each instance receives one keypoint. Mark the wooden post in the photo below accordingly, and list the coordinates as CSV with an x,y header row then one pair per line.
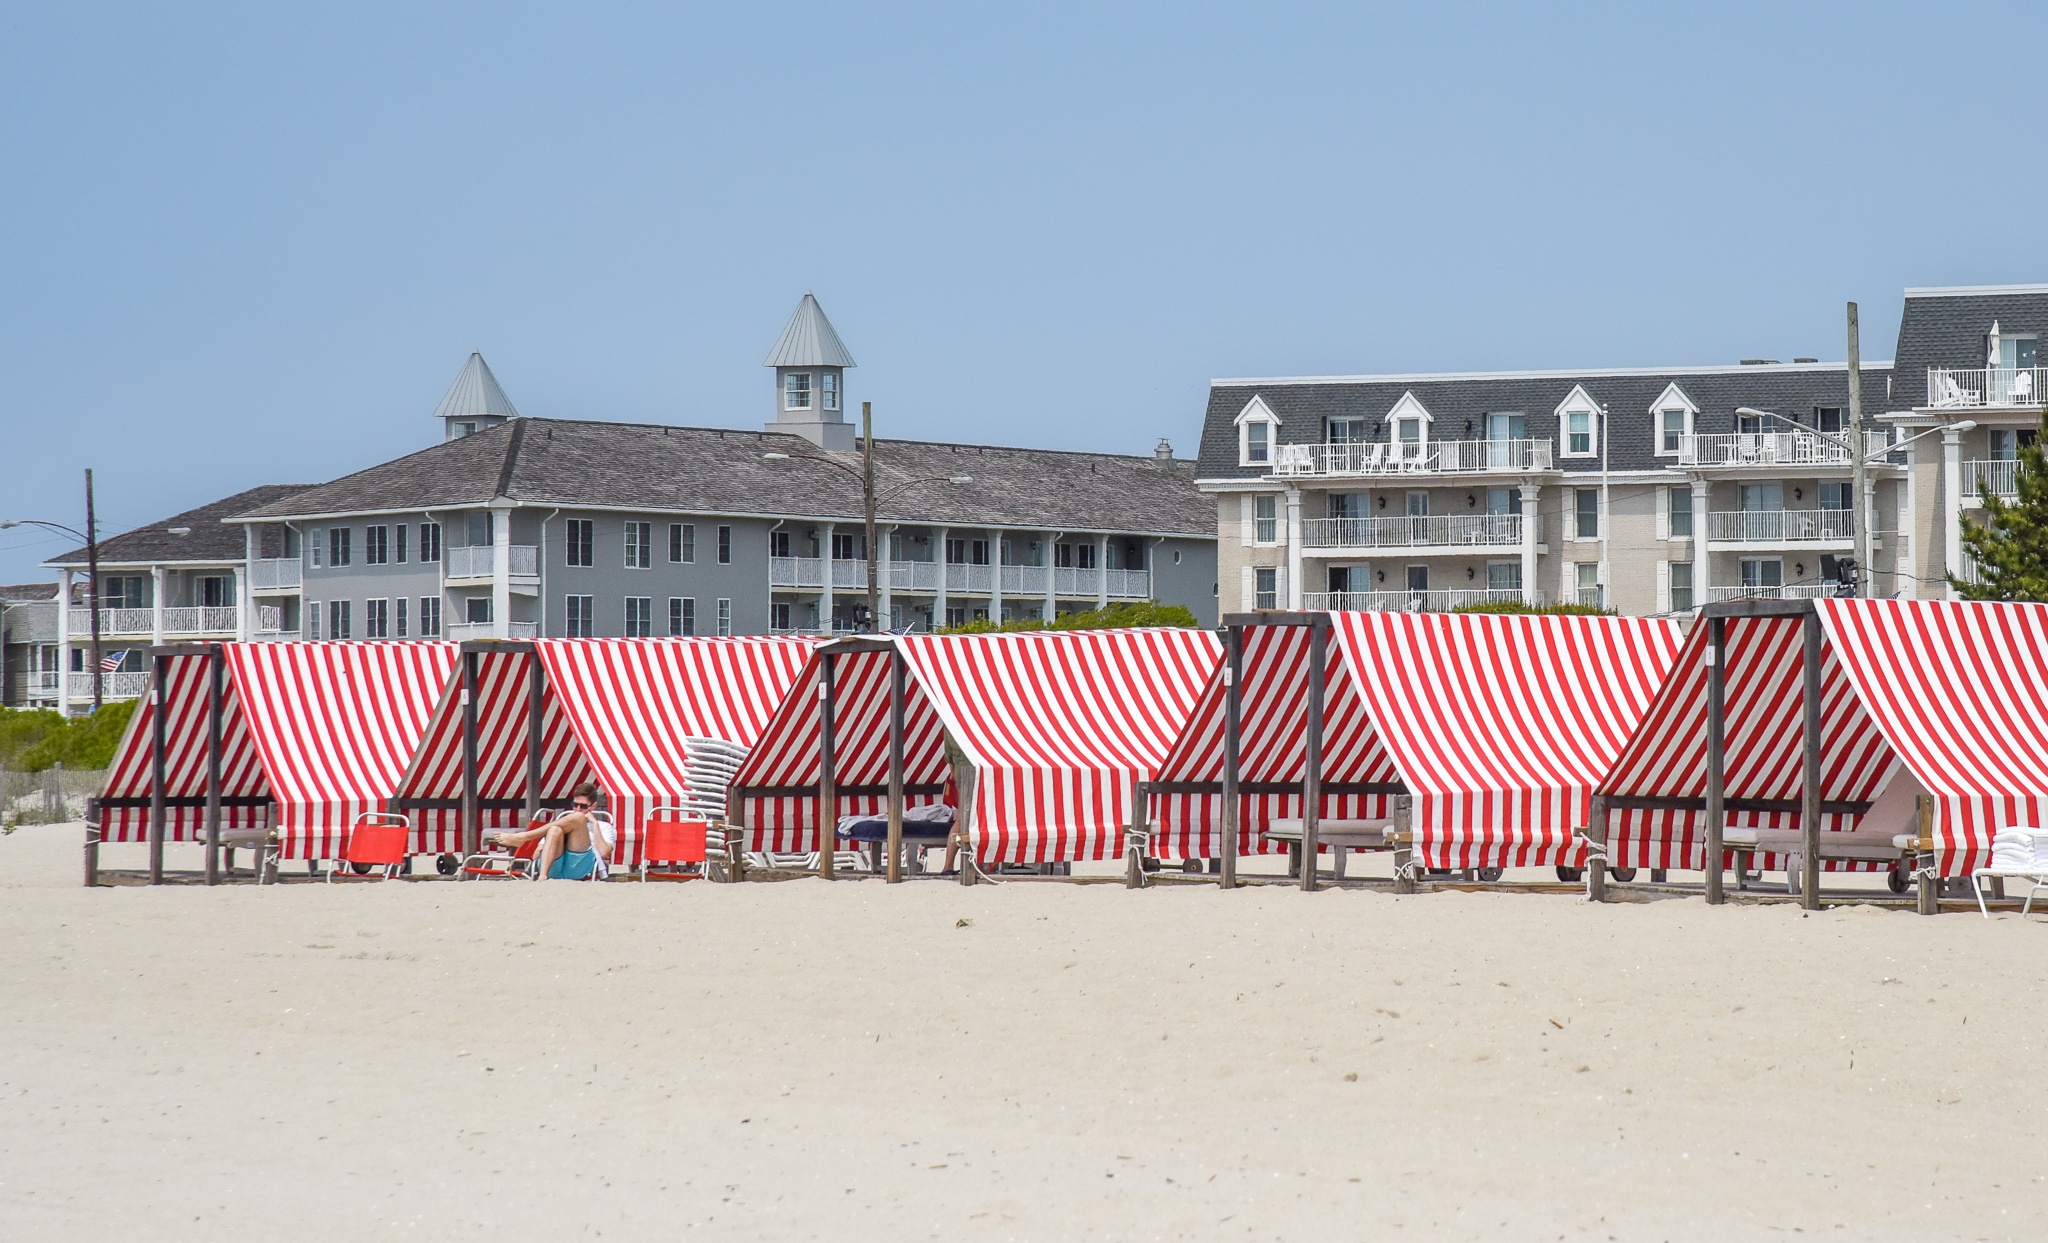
x,y
1717,741
1404,849
216,670
536,743
472,826
893,870
1134,859
1810,776
735,835
1312,761
159,727
1926,887
1233,714
1596,854
94,818
828,794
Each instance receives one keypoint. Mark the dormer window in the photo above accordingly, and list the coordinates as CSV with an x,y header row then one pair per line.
x,y
1408,427
796,391
1578,433
829,386
1256,425
1578,422
1673,415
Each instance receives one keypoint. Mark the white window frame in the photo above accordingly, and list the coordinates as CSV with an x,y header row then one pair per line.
x,y
1257,411
1516,566
1578,401
639,545
1572,516
1670,508
682,543
377,618
794,382
430,617
682,616
1410,410
1265,530
646,611
828,390
1672,400
1260,593
579,627
724,617
1667,586
579,543
398,604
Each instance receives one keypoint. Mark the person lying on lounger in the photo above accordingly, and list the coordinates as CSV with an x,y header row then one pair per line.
x,y
576,843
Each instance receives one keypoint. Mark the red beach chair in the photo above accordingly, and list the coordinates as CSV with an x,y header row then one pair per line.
x,y
376,848
676,838
498,863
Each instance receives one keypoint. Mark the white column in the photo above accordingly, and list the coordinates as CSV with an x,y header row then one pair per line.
x,y
1052,607
245,591
939,555
825,600
1952,497
1102,572
1530,494
995,556
1866,513
501,572
1702,580
884,559
1294,572
156,604
64,642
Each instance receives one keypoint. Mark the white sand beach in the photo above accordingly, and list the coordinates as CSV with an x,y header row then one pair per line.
x,y
803,1060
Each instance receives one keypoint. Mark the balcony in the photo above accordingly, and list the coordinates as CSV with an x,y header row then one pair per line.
x,y
1974,388
180,622
1782,527
1406,601
41,683
123,623
1775,449
1446,532
112,686
2001,476
276,574
462,632
807,574
476,563
1791,591
1429,457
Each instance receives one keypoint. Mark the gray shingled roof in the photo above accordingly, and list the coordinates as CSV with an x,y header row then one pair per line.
x,y
701,470
475,392
1458,403
208,539
27,593
809,341
1947,327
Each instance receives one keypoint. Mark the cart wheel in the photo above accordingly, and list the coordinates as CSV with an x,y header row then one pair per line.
x,y
1571,876
1622,875
1895,880
361,869
1192,867
447,865
1490,875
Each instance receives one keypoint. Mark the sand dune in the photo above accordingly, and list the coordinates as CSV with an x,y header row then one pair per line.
x,y
804,1060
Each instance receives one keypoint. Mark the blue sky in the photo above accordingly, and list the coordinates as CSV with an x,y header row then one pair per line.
x,y
251,244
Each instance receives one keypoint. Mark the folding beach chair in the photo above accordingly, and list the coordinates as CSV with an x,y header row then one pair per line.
x,y
676,838
2021,853
376,848
501,864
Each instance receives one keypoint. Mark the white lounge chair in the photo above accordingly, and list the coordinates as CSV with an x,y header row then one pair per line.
x,y
2019,853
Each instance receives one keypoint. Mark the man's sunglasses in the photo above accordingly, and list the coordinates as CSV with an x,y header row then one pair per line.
x,y
582,806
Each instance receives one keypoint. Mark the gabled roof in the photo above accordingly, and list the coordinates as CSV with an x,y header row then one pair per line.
x,y
808,340
703,470
27,593
476,393
1947,327
205,539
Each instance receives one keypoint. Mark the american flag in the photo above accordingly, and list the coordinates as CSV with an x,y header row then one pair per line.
x,y
111,662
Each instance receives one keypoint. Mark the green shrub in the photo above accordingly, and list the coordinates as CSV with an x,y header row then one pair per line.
x,y
34,741
1545,610
21,729
1112,617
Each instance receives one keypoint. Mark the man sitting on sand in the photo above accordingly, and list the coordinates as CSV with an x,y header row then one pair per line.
x,y
577,842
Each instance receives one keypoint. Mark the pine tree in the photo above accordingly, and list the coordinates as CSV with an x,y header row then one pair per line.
x,y
2010,545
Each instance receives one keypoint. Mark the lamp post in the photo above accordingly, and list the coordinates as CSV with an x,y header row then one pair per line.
x,y
92,573
865,472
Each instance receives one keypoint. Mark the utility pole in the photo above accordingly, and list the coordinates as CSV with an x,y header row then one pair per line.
x,y
867,488
1860,506
92,574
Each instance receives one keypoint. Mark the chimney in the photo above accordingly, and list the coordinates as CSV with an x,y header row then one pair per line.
x,y
1163,452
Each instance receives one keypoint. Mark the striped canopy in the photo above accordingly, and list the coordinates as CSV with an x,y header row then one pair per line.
x,y
654,722
1058,726
324,729
1498,726
1940,697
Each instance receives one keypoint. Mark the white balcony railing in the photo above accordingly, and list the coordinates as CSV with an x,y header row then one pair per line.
x,y
1782,526
479,561
1432,530
796,572
1130,584
2001,476
190,621
276,574
463,631
1428,457
112,685
1775,449
1958,388
41,683
807,574
1406,601
1792,591
971,580
1023,580
114,622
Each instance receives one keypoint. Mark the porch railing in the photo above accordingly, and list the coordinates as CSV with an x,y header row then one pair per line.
x,y
1772,526
1955,388
1423,457
1446,530
1406,601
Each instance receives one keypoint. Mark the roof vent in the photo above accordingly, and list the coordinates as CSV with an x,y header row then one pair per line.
x,y
1163,451
1806,360
1759,362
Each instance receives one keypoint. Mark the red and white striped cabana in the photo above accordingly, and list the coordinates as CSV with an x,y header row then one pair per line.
x,y
653,722
1918,698
304,737
1497,727
1057,726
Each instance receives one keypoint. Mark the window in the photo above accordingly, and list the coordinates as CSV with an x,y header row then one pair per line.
x,y
398,545
1266,588
578,542
1761,497
725,545
956,616
376,547
312,620
1678,511
1835,494
216,592
1578,433
477,610
337,546
796,391
1345,504
338,621
966,552
778,544
430,541
1681,586
1258,442
1338,580
682,542
1671,431
123,591
1344,431
682,615
846,546
1503,501
400,608
1828,419
1507,427
1586,513
2004,446
430,617
1266,519
1763,573
483,528
1586,578
724,617
314,553
639,617
1418,504
1408,438
1503,576
828,385
639,545
1084,556
1063,556
579,611
1750,424
376,619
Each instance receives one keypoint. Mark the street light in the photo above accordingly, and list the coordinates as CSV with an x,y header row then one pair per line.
x,y
869,500
92,572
